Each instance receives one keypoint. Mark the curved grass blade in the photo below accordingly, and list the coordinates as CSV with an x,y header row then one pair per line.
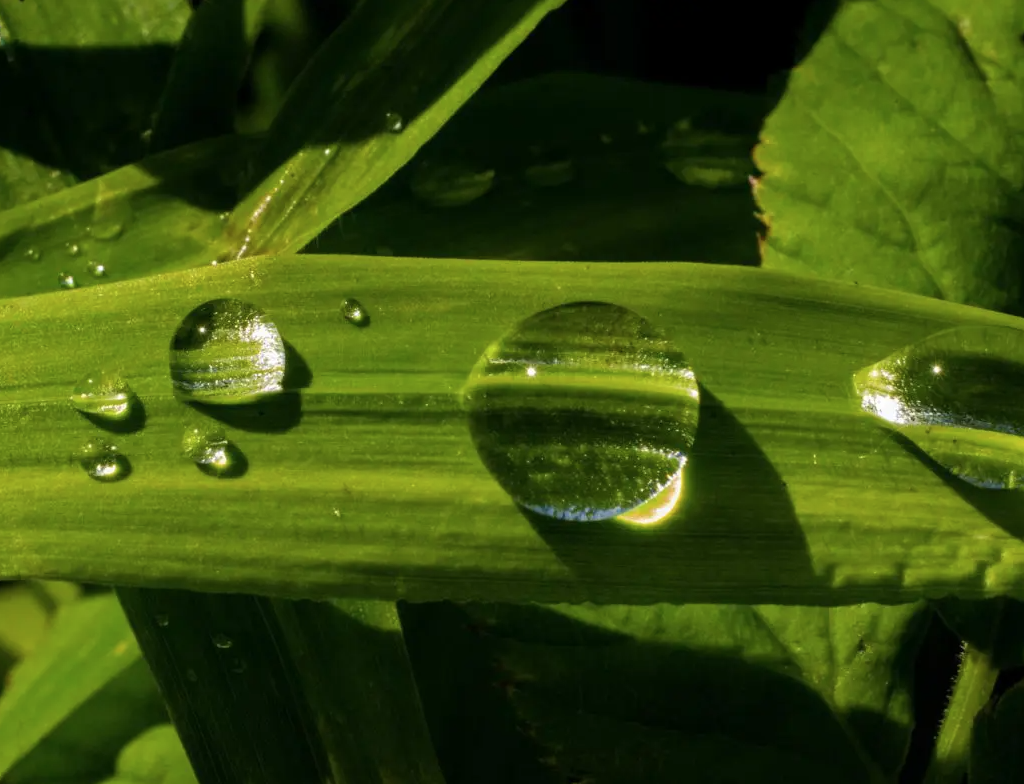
x,y
160,214
77,699
367,484
381,86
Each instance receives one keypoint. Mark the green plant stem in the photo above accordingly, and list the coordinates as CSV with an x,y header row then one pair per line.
x,y
973,687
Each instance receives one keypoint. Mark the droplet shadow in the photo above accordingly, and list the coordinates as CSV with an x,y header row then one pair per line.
x,y
277,413
1005,508
735,513
133,423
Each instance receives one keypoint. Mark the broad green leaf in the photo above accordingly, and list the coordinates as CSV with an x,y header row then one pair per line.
x,y
640,693
160,214
23,619
80,82
572,166
154,757
353,665
382,85
365,481
896,155
77,699
231,686
997,755
199,99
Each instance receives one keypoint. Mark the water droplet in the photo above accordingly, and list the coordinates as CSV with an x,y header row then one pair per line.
x,y
96,269
66,280
103,394
208,447
33,254
73,248
103,462
550,173
450,184
706,159
951,394
224,216
584,412
163,621
222,641
355,313
146,135
225,352
110,215
605,138
237,666
394,122
191,675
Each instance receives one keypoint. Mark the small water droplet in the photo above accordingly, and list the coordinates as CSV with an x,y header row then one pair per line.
x,y
450,184
163,621
103,462
355,313
208,447
951,395
551,172
585,412
146,135
103,394
237,666
605,138
73,248
96,269
393,122
226,352
224,216
222,641
191,675
66,280
110,215
336,512
33,254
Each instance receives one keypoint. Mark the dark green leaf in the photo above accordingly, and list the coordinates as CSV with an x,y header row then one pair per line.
x,y
997,755
896,155
572,166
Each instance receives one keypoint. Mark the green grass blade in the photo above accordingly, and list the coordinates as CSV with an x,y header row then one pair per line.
x,y
78,699
355,669
367,484
411,62
230,685
638,178
161,214
199,99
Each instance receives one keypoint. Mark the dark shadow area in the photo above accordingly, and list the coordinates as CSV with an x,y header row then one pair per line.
x,y
1005,508
135,421
277,413
567,674
725,471
237,465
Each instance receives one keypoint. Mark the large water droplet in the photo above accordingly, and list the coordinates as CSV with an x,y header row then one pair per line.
x,y
952,394
450,184
393,122
110,215
208,447
584,412
103,462
66,280
103,394
707,159
355,313
225,352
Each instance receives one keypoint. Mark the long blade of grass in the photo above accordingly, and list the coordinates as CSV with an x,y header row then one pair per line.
x,y
367,484
381,86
